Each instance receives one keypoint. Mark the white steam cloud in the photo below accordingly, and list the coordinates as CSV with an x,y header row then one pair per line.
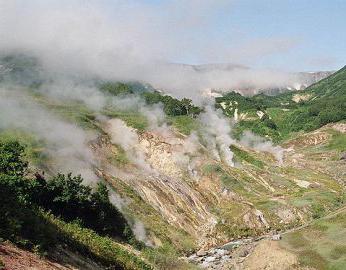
x,y
261,144
125,41
131,40
217,135
128,139
66,143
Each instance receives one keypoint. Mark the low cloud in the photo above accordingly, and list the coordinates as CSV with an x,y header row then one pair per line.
x,y
66,143
217,135
131,40
127,138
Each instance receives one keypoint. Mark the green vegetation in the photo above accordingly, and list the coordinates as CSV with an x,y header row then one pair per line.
x,y
165,257
180,113
107,250
318,210
291,112
171,106
242,155
24,70
124,88
67,197
337,142
321,244
71,110
116,89
26,202
34,147
131,118
184,124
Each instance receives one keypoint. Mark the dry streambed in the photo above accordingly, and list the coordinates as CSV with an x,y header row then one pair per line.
x,y
231,255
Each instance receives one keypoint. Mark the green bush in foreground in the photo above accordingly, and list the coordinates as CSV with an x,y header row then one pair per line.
x,y
104,248
24,222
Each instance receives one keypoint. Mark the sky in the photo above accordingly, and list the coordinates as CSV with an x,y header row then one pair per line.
x,y
308,34
139,40
317,28
291,35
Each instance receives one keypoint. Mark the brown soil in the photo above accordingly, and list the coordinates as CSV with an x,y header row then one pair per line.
x,y
269,255
15,258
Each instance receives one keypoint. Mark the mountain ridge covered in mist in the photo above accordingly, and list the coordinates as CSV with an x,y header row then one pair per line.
x,y
301,79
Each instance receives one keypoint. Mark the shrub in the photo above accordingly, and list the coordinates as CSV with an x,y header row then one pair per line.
x,y
116,88
317,210
66,196
104,249
11,159
63,195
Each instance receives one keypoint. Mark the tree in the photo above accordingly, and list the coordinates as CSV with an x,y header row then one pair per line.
x,y
187,104
102,193
11,159
116,89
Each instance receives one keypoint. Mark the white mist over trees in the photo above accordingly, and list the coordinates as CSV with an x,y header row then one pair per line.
x,y
133,41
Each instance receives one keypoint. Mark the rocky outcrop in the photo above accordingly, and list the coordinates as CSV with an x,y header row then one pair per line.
x,y
208,199
343,156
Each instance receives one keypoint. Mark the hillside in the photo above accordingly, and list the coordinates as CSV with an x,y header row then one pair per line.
x,y
161,178
283,115
295,81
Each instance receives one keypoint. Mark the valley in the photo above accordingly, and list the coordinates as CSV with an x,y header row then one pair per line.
x,y
186,179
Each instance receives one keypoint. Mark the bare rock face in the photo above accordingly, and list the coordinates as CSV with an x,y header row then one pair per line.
x,y
214,258
209,200
341,127
343,156
286,215
163,153
175,200
276,237
255,219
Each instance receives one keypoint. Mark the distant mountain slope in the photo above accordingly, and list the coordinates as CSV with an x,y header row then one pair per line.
x,y
332,86
278,116
295,80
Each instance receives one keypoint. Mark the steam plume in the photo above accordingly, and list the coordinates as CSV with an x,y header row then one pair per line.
x,y
258,143
131,40
65,141
217,136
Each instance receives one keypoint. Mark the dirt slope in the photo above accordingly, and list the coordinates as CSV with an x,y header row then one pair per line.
x,y
15,258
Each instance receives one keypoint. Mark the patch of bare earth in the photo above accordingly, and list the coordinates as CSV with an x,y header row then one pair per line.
x,y
341,127
269,255
15,258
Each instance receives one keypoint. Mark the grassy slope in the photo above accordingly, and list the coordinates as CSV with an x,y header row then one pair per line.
x,y
243,180
322,244
106,250
325,102
320,161
245,183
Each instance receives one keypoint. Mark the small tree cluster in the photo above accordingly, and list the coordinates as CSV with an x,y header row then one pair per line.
x,y
63,195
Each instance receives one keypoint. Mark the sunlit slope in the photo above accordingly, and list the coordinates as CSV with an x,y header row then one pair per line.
x,y
257,195
320,245
279,117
